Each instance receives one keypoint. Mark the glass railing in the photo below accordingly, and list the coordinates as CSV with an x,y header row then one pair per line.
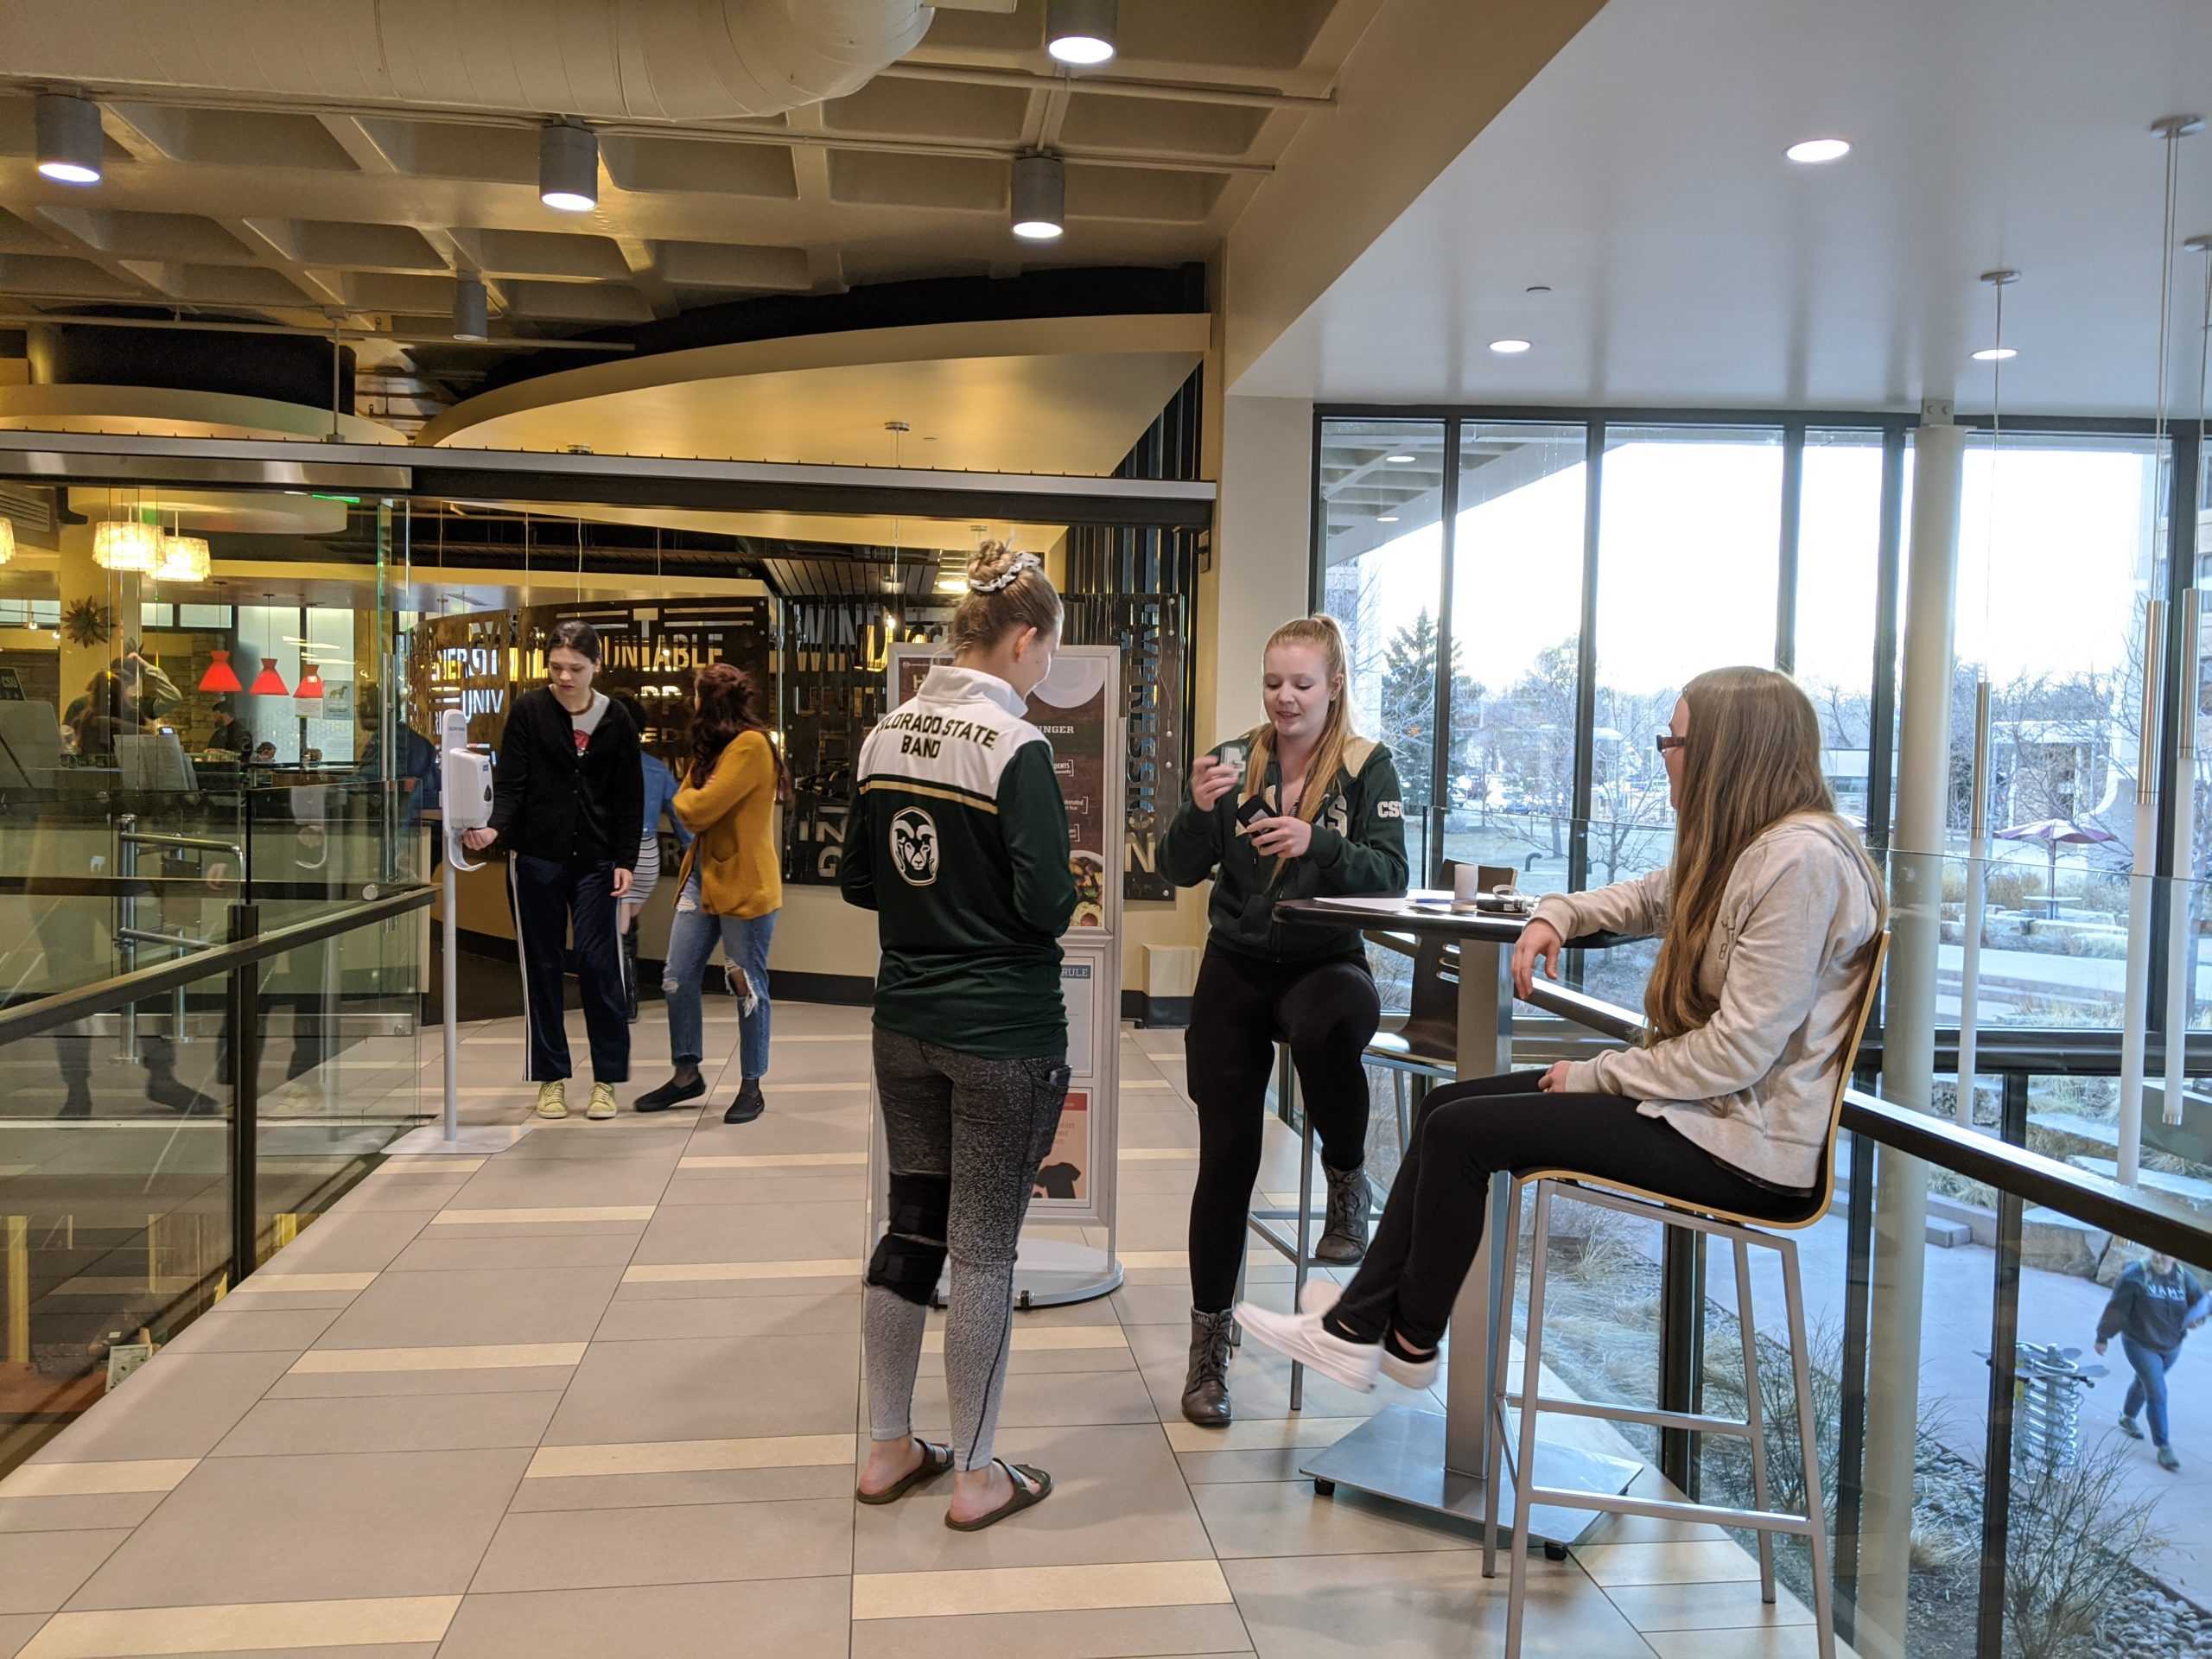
x,y
143,1172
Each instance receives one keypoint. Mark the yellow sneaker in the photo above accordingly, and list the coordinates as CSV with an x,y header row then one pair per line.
x,y
602,1102
552,1100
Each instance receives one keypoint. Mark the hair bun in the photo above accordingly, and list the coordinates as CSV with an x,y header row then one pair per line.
x,y
996,566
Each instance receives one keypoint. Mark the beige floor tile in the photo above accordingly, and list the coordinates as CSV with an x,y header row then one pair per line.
x,y
378,1385
1030,1338
830,1312
801,1618
178,1406
711,1389
849,1267
772,1186
1712,1562
1257,1434
466,1249
1418,1606
690,1488
1117,1497
1730,1605
750,1232
1092,1633
347,1244
1793,1642
96,1513
782,1160
690,1457
1047,1399
479,1308
1239,1468
383,1524
953,1593
395,1423
267,1284
39,1571
253,1328
1246,1520
524,1216
96,1479
696,1544
455,1357
16,1629
348,1625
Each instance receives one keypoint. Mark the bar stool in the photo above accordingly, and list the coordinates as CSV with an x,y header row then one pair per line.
x,y
1742,1232
1427,1046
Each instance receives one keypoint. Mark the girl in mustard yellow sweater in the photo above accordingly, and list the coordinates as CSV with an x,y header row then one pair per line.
x,y
730,885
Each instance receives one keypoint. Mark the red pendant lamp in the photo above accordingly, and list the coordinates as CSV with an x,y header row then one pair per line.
x,y
220,675
269,683
311,685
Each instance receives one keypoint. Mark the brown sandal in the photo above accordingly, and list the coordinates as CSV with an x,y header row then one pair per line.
x,y
1039,1487
936,1460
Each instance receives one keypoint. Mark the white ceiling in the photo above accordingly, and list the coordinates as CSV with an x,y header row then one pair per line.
x,y
1641,175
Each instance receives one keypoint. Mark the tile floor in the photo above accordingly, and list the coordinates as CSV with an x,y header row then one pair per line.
x,y
599,1394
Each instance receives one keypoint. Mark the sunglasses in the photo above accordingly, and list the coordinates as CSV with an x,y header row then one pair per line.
x,y
1667,741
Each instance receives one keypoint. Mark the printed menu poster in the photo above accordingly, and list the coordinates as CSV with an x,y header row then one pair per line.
x,y
1069,709
1076,987
1064,1174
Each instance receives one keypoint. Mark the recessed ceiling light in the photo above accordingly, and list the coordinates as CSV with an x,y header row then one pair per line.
x,y
1995,354
1080,32
471,319
1508,348
1386,517
568,167
68,137
1812,151
1040,198
1400,461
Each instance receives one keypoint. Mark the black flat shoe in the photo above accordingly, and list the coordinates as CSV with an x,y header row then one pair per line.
x,y
671,1093
748,1105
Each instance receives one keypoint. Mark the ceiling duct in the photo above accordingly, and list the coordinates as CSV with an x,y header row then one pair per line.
x,y
605,60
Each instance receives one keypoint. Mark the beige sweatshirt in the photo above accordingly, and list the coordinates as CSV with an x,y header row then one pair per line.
x,y
1786,958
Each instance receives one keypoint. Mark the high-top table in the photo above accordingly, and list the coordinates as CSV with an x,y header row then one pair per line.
x,y
1404,1453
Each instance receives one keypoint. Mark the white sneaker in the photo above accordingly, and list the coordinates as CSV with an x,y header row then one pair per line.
x,y
602,1103
1300,1337
1320,1295
552,1100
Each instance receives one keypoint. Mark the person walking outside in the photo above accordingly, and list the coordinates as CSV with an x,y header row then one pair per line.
x,y
568,802
2155,1305
959,843
730,885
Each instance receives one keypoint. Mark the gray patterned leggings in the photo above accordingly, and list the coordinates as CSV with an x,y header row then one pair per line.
x,y
965,1135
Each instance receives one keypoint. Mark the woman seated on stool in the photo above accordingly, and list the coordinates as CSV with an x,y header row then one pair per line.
x,y
1767,919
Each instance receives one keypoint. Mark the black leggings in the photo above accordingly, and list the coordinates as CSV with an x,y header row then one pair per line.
x,y
1329,1011
1433,1225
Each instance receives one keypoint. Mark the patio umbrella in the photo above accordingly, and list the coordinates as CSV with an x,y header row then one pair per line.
x,y
2052,833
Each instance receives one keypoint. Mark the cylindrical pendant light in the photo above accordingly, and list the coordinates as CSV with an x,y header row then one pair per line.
x,y
70,143
269,683
1040,198
126,544
184,558
471,311
1080,32
220,675
7,540
568,167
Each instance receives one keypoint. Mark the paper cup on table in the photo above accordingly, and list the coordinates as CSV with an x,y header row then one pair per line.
x,y
1466,885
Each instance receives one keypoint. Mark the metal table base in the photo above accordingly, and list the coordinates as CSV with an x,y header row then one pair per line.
x,y
1399,1454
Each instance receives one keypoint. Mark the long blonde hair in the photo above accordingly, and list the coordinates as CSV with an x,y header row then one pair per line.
x,y
1325,631
1752,758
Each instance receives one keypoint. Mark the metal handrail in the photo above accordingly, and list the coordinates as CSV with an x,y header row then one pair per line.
x,y
2145,1216
103,996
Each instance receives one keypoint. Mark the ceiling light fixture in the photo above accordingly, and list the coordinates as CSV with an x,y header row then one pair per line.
x,y
1400,461
70,144
1080,32
1386,517
472,312
220,675
126,544
7,540
1812,152
1508,348
269,683
1995,354
568,167
184,558
1040,198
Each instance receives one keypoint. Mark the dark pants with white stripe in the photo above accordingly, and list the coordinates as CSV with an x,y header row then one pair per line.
x,y
548,897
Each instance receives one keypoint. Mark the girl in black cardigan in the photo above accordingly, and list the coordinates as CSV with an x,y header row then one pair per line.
x,y
569,802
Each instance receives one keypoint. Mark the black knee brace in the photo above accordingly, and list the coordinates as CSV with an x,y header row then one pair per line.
x,y
910,1258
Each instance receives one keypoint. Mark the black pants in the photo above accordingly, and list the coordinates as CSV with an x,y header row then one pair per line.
x,y
1433,1225
547,896
1329,1011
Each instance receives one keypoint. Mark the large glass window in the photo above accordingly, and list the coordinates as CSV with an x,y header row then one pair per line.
x,y
1516,627
1688,559
1839,558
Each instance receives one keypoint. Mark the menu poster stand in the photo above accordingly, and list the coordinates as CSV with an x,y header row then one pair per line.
x,y
1078,708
